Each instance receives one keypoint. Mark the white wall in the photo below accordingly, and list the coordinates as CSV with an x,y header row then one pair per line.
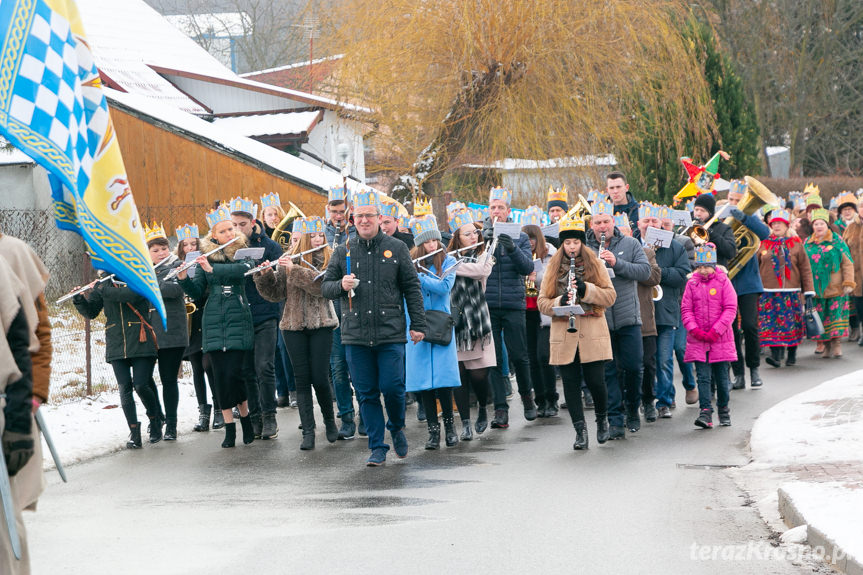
x,y
332,130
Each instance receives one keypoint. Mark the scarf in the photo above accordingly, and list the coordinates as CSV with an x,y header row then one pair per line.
x,y
473,322
826,258
779,249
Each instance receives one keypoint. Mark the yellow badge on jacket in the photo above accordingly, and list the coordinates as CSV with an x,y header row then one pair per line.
x,y
388,254
712,291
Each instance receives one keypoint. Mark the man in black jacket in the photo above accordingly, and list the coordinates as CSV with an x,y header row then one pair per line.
x,y
720,234
373,291
504,293
617,189
259,365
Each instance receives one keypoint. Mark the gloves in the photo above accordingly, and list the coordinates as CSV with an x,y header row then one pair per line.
x,y
699,334
506,242
580,287
488,234
711,336
737,214
18,449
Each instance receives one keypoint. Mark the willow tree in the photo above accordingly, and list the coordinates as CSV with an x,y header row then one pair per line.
x,y
482,80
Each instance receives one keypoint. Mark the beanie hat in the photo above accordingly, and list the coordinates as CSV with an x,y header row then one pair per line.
x,y
706,201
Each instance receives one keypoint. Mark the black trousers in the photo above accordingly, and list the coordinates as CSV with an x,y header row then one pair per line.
x,y
593,374
509,324
230,385
309,351
170,359
648,378
444,395
746,337
538,350
201,367
136,373
471,379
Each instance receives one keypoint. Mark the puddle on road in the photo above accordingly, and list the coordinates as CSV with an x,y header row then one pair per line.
x,y
368,501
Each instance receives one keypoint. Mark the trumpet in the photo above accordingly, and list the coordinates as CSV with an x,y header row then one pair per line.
x,y
573,295
189,265
270,264
530,285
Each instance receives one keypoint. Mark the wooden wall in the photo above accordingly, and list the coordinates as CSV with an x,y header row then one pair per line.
x,y
176,180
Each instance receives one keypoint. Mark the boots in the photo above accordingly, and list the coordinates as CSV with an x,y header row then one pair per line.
x,y
580,436
601,429
134,436
754,377
467,430
529,407
204,418
257,422
248,430
332,431
230,434
551,409
449,427
171,429
349,428
791,358
775,358
270,428
434,436
481,419
836,348
308,442
155,430
218,419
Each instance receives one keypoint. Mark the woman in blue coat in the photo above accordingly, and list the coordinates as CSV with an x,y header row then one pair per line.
x,y
433,369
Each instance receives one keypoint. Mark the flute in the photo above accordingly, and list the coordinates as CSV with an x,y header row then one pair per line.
x,y
464,249
96,282
428,255
270,264
189,265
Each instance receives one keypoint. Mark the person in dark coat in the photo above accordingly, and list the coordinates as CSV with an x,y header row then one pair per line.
x,y
374,283
617,189
228,332
721,235
504,294
259,364
556,207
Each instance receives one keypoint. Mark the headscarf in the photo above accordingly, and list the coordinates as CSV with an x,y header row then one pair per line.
x,y
826,258
779,248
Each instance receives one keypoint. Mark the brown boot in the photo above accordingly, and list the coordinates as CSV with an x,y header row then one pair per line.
x,y
828,348
836,348
819,347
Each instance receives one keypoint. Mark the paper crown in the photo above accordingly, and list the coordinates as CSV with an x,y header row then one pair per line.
x,y
422,224
559,195
690,205
390,209
649,210
820,214
337,194
240,205
188,232
270,201
500,194
622,220
454,207
832,205
480,212
155,232
220,214
780,215
814,200
846,199
367,198
404,220
705,255
602,207
310,225
737,187
297,227
811,189
532,216
422,207
596,196
460,218
570,228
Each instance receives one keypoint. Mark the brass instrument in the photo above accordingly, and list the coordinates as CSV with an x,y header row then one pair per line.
x,y
697,233
190,309
281,235
756,197
530,285
573,295
656,292
581,209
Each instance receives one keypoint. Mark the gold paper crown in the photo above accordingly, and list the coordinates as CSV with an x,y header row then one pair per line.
x,y
811,190
422,207
154,232
846,198
571,225
820,214
560,195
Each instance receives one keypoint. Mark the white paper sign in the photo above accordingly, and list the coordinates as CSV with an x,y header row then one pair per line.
x,y
566,310
551,230
512,229
250,253
658,238
681,218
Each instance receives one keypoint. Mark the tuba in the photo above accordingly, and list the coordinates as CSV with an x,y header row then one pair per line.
x,y
757,196
580,210
281,235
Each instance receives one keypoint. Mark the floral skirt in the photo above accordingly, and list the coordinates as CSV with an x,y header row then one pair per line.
x,y
834,315
780,319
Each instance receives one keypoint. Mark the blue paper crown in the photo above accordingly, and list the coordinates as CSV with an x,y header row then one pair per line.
x,y
337,194
311,225
297,227
532,216
404,220
782,215
220,214
390,209
240,205
833,203
454,207
622,220
690,205
460,218
602,207
500,194
188,232
596,196
705,254
737,187
367,198
270,201
422,224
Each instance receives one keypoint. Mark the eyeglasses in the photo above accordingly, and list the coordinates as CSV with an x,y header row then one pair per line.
x,y
365,216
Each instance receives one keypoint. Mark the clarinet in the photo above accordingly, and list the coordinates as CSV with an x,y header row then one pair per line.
x,y
573,295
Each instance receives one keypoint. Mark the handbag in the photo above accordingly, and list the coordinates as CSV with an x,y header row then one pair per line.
x,y
814,325
440,325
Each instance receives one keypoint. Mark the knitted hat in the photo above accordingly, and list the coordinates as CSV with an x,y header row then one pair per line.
x,y
706,201
571,228
557,198
424,228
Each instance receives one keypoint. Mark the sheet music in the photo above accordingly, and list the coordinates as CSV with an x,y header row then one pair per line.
x,y
190,257
566,310
658,238
451,269
551,230
512,229
251,253
681,218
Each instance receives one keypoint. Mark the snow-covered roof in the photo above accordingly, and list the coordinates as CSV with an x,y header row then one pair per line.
x,y
271,124
294,66
518,165
313,175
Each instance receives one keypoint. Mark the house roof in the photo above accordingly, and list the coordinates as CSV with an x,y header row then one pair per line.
x,y
289,123
519,165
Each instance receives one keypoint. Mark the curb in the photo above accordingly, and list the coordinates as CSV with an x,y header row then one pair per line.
x,y
817,538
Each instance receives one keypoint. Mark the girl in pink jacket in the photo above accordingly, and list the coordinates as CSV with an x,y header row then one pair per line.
x,y
709,307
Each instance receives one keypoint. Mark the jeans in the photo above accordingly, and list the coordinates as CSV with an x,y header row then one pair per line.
x,y
679,353
747,306
538,350
623,374
284,370
509,324
339,375
719,371
259,369
374,371
664,389
648,377
136,373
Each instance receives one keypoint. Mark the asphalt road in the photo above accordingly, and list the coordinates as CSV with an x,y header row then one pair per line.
x,y
512,501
